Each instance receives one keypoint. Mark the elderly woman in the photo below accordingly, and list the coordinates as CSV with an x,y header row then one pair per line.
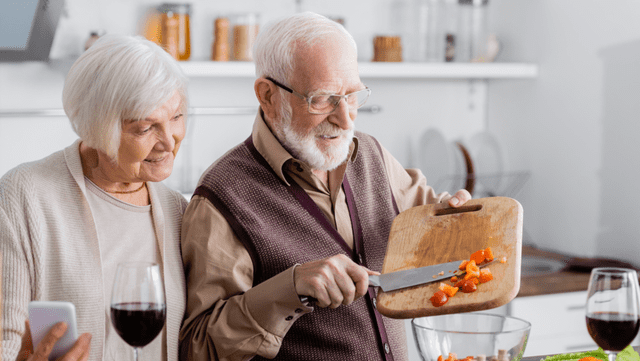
x,y
67,220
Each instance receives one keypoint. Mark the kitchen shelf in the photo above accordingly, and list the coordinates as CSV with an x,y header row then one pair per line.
x,y
383,70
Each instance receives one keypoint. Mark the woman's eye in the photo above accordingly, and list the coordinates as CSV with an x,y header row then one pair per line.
x,y
177,117
145,130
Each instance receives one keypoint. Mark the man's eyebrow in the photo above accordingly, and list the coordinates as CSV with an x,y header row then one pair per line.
x,y
321,92
361,86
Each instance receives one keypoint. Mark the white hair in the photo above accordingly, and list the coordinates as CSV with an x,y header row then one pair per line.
x,y
119,78
275,45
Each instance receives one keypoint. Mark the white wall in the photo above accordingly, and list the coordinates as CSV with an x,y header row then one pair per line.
x,y
576,126
410,107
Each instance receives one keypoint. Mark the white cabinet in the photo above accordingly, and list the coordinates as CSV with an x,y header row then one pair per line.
x,y
558,323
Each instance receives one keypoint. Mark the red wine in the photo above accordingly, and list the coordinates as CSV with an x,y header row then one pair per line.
x,y
612,331
138,323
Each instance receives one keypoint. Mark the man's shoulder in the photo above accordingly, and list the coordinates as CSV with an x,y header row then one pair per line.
x,y
234,160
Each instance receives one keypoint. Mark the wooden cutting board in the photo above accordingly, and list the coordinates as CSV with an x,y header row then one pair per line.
x,y
433,234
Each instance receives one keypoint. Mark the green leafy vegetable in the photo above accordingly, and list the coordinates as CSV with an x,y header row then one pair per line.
x,y
628,354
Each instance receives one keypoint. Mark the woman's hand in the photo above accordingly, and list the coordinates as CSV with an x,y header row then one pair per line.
x,y
79,351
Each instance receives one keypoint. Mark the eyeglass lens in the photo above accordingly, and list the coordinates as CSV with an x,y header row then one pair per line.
x,y
322,104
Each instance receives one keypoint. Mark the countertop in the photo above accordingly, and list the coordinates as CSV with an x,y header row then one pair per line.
x,y
550,283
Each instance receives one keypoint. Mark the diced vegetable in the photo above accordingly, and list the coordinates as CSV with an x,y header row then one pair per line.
x,y
472,270
448,290
485,275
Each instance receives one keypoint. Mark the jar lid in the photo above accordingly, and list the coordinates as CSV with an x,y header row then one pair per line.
x,y
175,8
473,2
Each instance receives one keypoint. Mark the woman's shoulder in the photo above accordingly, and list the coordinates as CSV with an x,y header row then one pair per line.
x,y
33,173
174,197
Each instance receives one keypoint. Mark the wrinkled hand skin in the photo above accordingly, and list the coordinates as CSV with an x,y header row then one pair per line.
x,y
79,351
332,281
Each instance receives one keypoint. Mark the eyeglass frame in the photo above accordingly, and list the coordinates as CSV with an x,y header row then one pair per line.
x,y
308,99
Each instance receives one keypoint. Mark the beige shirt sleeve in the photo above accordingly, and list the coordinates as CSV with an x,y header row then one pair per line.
x,y
227,318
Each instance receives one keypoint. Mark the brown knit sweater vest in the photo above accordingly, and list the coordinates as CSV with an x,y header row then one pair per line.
x,y
280,226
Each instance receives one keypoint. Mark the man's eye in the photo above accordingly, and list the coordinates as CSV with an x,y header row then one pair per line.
x,y
320,99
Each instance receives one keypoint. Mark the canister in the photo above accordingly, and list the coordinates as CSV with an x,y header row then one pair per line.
x,y
175,34
245,29
471,44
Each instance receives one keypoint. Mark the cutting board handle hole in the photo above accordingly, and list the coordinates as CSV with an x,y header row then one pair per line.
x,y
463,209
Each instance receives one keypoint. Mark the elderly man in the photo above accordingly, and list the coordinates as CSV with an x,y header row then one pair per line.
x,y
303,207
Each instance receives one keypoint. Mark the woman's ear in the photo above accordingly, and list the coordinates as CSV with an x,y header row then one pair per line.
x,y
267,95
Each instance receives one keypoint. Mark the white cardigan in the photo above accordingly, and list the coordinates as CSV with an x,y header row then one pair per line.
x,y
51,249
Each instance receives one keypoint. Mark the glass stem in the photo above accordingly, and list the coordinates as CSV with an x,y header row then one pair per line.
x,y
135,354
611,355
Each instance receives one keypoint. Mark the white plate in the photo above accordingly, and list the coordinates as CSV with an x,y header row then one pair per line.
x,y
488,158
441,161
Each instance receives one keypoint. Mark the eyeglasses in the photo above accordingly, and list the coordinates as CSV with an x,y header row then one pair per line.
x,y
327,103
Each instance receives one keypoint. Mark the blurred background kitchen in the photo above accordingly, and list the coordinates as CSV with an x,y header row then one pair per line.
x,y
540,94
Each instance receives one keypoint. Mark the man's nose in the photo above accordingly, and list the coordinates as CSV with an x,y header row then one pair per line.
x,y
343,115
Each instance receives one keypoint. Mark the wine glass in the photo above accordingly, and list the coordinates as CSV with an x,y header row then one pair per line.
x,y
138,308
612,308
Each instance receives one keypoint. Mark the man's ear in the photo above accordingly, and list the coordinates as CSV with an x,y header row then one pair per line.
x,y
267,95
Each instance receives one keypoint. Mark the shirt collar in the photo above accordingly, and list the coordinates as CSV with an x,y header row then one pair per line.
x,y
274,153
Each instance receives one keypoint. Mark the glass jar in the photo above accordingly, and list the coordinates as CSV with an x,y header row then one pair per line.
x,y
430,37
471,44
175,34
245,29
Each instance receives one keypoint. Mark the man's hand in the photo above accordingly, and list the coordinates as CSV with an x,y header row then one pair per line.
x,y
333,281
461,197
79,351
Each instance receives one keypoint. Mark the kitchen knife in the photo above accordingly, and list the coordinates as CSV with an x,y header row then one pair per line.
x,y
415,276
411,277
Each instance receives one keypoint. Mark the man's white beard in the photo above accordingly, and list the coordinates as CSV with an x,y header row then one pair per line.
x,y
304,146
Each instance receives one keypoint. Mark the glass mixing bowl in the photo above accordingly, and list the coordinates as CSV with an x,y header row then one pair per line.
x,y
482,336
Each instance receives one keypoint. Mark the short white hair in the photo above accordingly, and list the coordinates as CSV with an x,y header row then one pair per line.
x,y
119,78
275,45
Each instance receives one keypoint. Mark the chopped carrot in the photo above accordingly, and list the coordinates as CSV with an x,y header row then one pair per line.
x,y
503,260
440,358
472,270
463,265
478,256
448,290
488,254
454,279
438,299
467,286
452,356
485,275
589,358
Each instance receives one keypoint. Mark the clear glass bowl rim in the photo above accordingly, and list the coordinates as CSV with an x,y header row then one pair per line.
x,y
526,325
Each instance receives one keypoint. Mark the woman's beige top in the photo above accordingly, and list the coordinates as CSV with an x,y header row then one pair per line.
x,y
52,249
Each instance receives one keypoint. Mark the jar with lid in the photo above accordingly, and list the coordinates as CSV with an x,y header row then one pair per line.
x,y
473,36
244,31
392,31
175,33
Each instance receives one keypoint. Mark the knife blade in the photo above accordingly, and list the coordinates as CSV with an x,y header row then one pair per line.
x,y
415,276
412,277
418,276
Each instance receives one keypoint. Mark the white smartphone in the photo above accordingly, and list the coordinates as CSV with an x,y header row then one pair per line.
x,y
43,315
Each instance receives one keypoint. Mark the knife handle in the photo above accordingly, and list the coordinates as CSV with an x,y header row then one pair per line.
x,y
308,301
